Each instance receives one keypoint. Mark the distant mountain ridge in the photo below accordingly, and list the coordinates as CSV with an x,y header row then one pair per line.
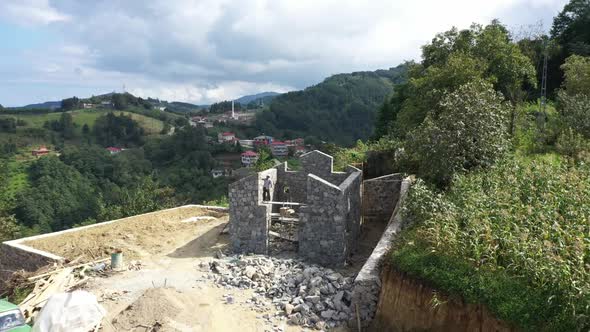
x,y
341,109
45,105
265,96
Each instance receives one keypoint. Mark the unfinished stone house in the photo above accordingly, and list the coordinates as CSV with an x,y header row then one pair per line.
x,y
327,205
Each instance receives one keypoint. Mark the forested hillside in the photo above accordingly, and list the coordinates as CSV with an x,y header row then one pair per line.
x,y
499,212
341,109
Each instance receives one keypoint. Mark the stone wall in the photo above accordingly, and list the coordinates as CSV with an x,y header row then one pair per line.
x,y
249,217
314,162
330,222
322,223
380,196
367,284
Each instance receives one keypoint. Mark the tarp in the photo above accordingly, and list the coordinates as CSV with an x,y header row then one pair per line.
x,y
78,311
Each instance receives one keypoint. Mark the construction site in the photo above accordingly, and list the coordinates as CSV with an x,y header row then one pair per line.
x,y
308,258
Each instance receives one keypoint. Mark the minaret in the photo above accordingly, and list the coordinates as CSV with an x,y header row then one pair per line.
x,y
233,114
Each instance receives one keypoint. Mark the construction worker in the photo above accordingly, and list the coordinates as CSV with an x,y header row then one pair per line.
x,y
266,189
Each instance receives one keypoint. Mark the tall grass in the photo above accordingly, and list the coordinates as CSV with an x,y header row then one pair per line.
x,y
528,218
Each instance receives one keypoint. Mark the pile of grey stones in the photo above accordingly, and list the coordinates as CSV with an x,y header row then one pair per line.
x,y
307,295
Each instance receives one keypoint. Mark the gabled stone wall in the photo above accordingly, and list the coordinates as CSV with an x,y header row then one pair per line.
x,y
249,217
330,222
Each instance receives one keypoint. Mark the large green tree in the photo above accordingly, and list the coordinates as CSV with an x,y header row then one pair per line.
x,y
469,131
452,59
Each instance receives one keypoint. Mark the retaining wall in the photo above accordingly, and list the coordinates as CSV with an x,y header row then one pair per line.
x,y
367,284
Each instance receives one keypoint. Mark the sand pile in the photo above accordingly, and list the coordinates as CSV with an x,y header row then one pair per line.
x,y
156,309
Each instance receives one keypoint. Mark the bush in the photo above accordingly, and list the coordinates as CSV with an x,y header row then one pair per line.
x,y
469,132
575,111
572,145
527,218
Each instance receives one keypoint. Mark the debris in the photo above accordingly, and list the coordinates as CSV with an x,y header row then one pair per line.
x,y
305,294
73,312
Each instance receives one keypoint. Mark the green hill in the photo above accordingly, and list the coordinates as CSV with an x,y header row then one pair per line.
x,y
341,109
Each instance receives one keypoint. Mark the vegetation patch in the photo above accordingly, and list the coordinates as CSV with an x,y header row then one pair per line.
x,y
519,226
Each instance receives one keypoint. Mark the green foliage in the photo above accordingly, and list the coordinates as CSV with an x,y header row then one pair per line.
x,y
575,112
224,106
65,125
452,59
117,130
577,75
265,160
59,196
341,109
573,145
511,299
570,27
468,132
8,125
9,228
70,104
528,218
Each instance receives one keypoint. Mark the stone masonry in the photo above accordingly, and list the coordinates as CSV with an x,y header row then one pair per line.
x,y
249,217
329,220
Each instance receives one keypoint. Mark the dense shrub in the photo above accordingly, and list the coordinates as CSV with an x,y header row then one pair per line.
x,y
469,132
575,111
528,218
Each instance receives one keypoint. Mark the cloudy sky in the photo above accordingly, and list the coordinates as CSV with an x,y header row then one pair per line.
x,y
203,51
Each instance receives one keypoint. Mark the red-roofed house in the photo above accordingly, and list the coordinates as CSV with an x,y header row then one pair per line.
x,y
114,150
262,140
249,158
42,150
226,137
279,149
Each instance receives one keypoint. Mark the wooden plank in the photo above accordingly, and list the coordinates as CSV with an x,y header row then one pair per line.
x,y
283,203
275,234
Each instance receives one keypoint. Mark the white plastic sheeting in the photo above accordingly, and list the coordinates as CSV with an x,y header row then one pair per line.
x,y
78,311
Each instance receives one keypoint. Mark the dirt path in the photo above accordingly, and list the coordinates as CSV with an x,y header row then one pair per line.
x,y
174,281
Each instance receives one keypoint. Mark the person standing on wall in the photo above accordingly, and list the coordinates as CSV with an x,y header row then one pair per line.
x,y
266,189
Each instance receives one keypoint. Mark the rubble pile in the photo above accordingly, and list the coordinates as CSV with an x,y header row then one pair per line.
x,y
306,295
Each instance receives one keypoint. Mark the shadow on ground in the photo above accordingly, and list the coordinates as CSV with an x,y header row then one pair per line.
x,y
203,245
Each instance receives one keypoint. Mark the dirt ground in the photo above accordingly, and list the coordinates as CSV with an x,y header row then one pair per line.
x,y
138,236
170,288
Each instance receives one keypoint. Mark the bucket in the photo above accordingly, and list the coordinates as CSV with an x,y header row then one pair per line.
x,y
117,260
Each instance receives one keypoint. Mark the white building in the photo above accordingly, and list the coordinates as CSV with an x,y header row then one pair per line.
x,y
249,158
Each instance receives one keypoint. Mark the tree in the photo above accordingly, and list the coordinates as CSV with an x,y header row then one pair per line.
x,y
452,59
8,228
576,75
468,132
575,111
85,129
570,27
70,104
572,36
66,124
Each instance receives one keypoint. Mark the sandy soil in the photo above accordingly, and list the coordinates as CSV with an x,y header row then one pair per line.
x,y
171,289
138,236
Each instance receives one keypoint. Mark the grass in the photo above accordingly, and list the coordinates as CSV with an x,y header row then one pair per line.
x,y
511,299
18,179
514,237
88,116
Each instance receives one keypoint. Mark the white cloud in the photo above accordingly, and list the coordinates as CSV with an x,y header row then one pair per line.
x,y
30,12
202,50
